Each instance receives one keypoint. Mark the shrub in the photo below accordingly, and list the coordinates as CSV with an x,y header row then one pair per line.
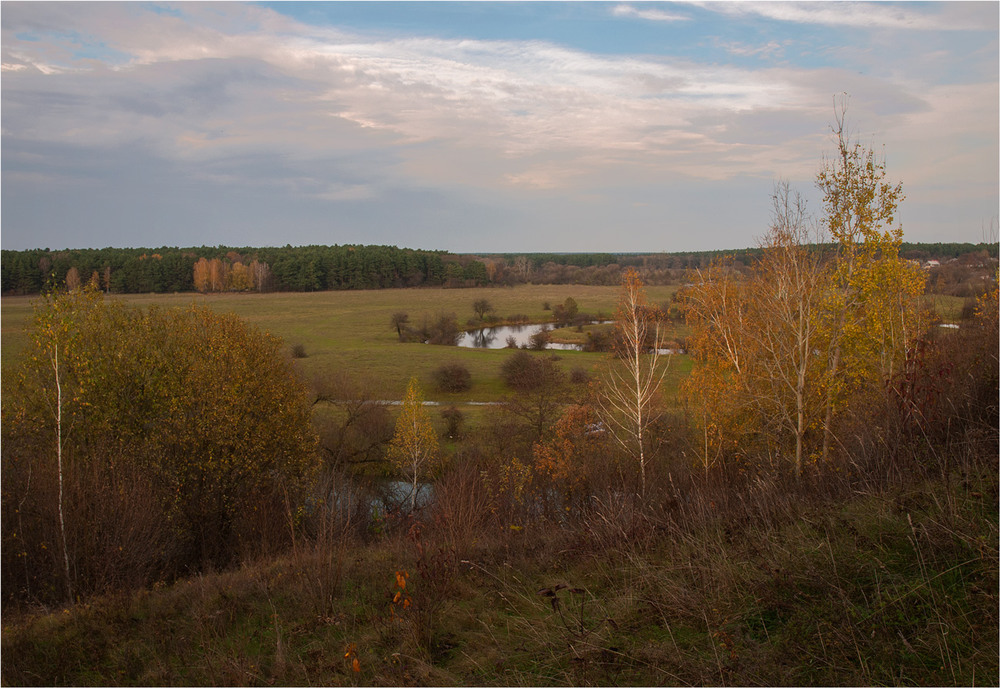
x,y
520,371
452,377
540,340
601,340
299,351
444,330
453,419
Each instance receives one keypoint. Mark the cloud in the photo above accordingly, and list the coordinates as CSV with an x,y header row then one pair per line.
x,y
241,100
959,16
648,14
210,92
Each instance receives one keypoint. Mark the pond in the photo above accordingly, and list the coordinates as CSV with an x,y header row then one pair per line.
x,y
496,337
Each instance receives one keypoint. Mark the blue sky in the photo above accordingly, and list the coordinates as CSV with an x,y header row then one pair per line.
x,y
482,127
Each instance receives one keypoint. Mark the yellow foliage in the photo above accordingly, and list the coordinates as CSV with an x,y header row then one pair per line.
x,y
414,448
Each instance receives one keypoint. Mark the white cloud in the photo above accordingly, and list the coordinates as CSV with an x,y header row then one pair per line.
x,y
948,16
648,14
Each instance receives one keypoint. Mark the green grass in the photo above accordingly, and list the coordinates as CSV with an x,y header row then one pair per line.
x,y
351,330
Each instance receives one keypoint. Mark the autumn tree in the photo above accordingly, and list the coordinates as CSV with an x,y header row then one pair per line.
x,y
217,271
787,300
872,314
73,279
539,387
414,447
360,428
631,385
202,276
55,358
566,456
260,275
779,351
240,278
716,307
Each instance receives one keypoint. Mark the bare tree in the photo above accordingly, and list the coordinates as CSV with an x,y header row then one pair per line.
x,y
787,298
399,321
629,401
482,307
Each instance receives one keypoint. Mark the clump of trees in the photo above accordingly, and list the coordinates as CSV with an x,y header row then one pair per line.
x,y
232,274
782,349
440,329
140,444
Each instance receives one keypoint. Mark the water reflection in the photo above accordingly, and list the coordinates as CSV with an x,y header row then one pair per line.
x,y
518,335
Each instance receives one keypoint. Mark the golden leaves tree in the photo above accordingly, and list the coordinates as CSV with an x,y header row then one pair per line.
x,y
629,398
414,448
801,335
202,276
872,313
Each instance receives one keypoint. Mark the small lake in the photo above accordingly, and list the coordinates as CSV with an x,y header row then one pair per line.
x,y
496,337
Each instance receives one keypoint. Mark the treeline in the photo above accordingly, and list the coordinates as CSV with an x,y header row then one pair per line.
x,y
289,268
321,268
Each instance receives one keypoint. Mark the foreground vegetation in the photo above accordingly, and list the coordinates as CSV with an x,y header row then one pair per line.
x,y
883,578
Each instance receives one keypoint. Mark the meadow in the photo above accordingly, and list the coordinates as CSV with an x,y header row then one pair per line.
x,y
352,331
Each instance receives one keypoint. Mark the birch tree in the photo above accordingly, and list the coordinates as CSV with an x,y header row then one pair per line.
x,y
871,314
787,299
414,447
631,389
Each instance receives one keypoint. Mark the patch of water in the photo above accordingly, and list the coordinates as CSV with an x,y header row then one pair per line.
x,y
496,337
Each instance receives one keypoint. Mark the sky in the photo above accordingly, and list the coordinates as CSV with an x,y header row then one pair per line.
x,y
483,127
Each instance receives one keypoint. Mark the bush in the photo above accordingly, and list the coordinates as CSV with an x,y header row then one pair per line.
x,y
539,340
522,371
453,419
444,330
452,377
601,340
299,351
186,424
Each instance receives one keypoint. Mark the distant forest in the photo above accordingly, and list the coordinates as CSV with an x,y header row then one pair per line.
x,y
320,268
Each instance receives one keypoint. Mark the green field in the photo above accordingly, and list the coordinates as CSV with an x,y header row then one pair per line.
x,y
351,330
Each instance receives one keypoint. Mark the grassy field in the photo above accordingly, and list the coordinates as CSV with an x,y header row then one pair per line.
x,y
352,331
